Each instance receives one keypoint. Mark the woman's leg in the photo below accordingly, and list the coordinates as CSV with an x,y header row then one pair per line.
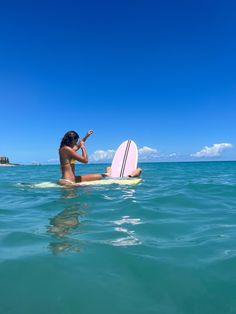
x,y
89,177
66,182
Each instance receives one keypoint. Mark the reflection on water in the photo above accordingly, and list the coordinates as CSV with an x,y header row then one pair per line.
x,y
64,226
129,237
58,247
64,223
128,193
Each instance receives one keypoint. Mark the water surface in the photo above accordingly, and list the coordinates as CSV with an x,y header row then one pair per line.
x,y
166,245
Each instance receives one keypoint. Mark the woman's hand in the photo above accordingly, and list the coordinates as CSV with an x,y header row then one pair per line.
x,y
89,133
84,138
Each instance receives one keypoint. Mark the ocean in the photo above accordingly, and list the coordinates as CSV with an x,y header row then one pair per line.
x,y
166,245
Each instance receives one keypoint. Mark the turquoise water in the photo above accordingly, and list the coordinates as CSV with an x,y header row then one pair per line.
x,y
167,245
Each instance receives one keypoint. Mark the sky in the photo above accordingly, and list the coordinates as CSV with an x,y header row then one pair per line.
x,y
162,73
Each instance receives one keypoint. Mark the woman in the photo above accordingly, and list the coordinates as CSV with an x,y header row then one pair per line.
x,y
67,152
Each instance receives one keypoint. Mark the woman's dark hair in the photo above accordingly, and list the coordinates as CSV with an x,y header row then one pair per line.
x,y
68,138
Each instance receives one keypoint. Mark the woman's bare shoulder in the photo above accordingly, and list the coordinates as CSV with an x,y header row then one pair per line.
x,y
65,150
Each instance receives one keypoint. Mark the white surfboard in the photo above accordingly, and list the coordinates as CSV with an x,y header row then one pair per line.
x,y
125,160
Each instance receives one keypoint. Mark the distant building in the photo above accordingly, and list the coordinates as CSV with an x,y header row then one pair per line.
x,y
4,160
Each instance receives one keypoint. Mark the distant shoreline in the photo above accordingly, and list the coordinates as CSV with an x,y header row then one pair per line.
x,y
8,165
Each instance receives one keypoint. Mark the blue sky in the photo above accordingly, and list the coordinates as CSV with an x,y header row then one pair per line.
x,y
162,73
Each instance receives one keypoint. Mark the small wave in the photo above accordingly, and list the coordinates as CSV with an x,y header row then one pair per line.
x,y
121,229
126,241
128,220
44,185
41,185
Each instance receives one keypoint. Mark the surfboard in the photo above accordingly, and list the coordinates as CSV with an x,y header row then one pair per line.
x,y
125,160
132,181
47,185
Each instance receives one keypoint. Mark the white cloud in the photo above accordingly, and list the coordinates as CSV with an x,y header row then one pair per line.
x,y
147,153
100,155
212,151
145,150
105,155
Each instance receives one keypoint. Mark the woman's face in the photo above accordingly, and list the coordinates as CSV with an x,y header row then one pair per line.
x,y
75,141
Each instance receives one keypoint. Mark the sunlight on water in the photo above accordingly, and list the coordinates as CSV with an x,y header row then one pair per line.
x,y
128,220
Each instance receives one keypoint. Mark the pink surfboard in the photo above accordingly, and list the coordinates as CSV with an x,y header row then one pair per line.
x,y
125,160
